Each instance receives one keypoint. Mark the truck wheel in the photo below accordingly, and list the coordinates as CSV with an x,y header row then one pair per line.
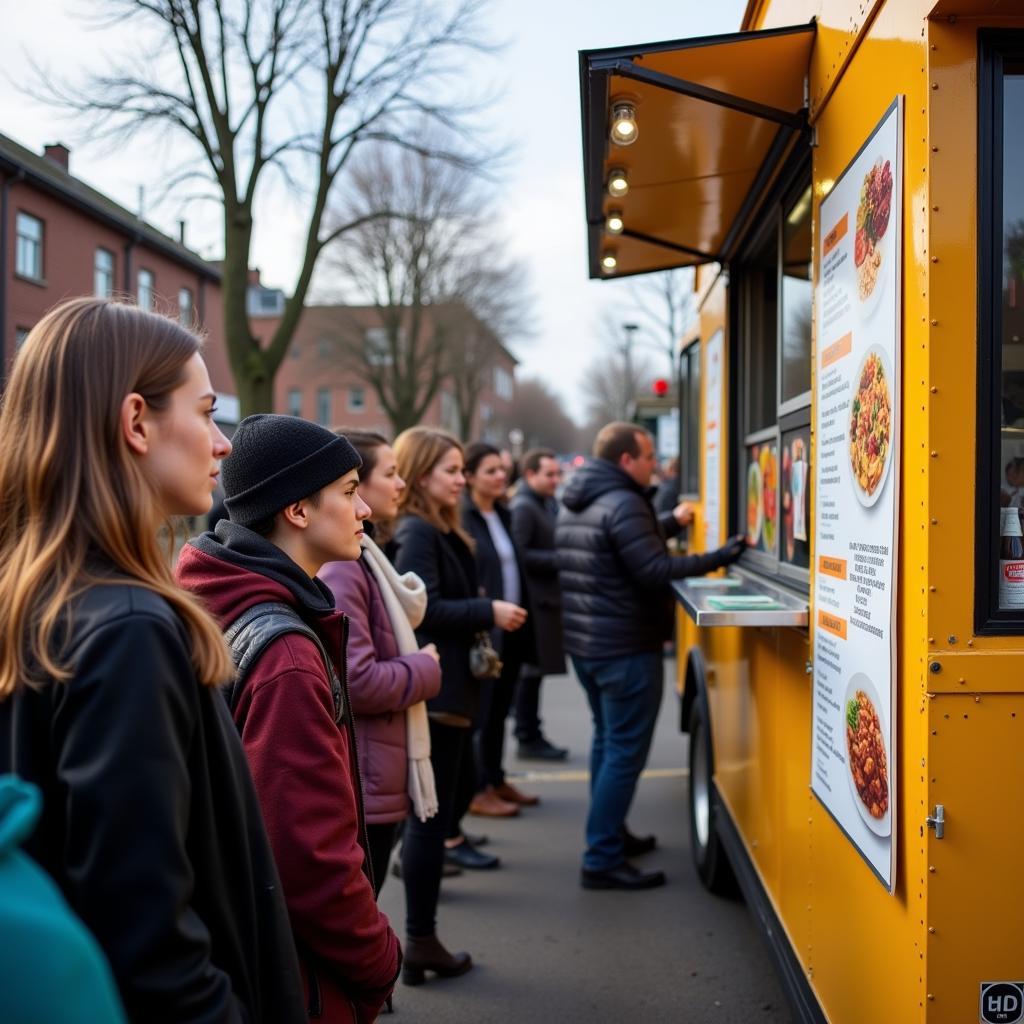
x,y
709,857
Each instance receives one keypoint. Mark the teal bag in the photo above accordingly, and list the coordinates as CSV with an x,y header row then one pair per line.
x,y
51,970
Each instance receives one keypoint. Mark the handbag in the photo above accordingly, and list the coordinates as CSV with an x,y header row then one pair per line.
x,y
484,660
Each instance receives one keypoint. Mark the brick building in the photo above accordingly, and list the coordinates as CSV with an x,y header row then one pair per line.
x,y
61,238
314,382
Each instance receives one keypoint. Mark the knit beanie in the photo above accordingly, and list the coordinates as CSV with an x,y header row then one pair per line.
x,y
278,460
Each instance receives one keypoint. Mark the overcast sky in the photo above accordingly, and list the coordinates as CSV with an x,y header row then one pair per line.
x,y
541,201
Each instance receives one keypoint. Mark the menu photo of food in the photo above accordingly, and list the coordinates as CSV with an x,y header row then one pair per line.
x,y
794,494
867,759
871,426
873,213
763,497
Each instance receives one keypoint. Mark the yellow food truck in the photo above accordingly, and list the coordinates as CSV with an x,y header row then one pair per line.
x,y
847,176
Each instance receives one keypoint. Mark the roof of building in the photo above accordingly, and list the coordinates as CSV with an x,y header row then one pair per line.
x,y
49,176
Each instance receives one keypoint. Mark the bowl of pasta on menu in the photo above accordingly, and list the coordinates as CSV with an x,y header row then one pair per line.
x,y
867,759
870,435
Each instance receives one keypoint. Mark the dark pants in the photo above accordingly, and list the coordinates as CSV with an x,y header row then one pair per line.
x,y
527,704
624,696
489,729
382,841
423,841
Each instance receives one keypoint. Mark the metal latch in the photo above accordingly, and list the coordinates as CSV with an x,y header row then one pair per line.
x,y
937,821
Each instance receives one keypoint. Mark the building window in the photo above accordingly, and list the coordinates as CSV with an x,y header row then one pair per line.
x,y
999,604
323,407
20,334
503,383
772,389
449,412
295,351
294,402
103,273
28,259
323,348
356,399
378,346
185,307
689,420
145,289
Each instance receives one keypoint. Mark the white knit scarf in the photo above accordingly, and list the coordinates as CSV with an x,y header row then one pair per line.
x,y
405,598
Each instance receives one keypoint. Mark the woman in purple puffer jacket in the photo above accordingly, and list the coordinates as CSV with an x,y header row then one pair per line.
x,y
389,675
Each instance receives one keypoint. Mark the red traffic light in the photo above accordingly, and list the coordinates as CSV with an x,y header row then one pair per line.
x,y
660,387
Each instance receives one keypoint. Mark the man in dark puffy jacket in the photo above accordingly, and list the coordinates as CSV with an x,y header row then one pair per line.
x,y
617,612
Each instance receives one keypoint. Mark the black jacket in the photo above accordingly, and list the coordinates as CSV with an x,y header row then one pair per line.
x,y
456,612
613,566
533,529
150,821
520,645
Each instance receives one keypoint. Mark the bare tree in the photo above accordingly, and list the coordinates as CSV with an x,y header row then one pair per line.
x,y
440,293
540,414
663,303
614,377
296,86
487,303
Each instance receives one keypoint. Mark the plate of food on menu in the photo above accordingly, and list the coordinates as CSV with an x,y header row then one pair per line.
x,y
870,437
770,494
867,759
755,503
874,212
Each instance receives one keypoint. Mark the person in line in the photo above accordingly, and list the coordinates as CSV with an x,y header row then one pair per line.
x,y
534,511
389,675
430,541
291,493
110,674
486,518
617,607
666,497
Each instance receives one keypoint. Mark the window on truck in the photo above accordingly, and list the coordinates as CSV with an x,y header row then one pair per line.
x,y
999,575
771,389
689,421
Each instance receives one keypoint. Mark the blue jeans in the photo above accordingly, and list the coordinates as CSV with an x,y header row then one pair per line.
x,y
624,696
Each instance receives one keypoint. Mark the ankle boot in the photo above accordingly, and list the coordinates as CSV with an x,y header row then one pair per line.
x,y
425,953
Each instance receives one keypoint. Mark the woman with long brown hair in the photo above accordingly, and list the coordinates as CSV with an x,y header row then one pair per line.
x,y
431,542
109,672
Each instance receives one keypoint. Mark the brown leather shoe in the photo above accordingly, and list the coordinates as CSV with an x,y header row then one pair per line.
x,y
516,796
426,953
489,805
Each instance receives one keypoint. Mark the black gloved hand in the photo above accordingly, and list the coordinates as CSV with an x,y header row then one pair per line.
x,y
731,550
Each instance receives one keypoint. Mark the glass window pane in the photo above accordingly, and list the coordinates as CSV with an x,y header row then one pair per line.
x,y
761,295
1011,333
690,478
28,258
103,273
145,289
185,307
797,298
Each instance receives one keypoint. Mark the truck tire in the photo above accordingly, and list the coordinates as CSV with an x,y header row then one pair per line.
x,y
709,857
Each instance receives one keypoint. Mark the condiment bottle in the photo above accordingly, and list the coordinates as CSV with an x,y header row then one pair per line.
x,y
1011,560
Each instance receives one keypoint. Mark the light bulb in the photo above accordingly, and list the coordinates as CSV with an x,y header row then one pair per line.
x,y
609,261
614,224
618,183
624,130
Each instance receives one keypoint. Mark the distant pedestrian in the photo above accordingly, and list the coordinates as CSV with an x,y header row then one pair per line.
x,y
534,511
431,542
666,497
615,570
110,673
389,674
291,492
501,574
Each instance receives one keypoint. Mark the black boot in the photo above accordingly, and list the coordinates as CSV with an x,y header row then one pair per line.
x,y
425,953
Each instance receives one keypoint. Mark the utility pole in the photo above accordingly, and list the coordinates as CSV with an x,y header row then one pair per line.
x,y
629,385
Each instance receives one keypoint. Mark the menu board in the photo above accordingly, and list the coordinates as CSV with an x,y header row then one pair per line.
x,y
713,380
856,473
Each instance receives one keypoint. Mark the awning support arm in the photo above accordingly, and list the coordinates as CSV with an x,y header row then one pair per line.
x,y
652,240
629,69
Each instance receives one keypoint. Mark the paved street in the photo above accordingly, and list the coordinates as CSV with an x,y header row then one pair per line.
x,y
546,950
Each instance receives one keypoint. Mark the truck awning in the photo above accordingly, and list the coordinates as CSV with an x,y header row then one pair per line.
x,y
715,117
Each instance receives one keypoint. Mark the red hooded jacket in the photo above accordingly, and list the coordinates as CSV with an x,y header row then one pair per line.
x,y
303,766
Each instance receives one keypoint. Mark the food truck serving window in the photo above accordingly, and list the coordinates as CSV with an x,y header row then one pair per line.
x,y
999,598
771,392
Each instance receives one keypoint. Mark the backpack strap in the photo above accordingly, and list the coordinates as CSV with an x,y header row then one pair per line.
x,y
253,632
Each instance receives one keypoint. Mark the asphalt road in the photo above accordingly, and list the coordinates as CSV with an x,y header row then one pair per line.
x,y
546,950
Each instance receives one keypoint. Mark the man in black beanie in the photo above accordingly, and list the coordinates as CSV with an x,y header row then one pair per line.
x,y
293,505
